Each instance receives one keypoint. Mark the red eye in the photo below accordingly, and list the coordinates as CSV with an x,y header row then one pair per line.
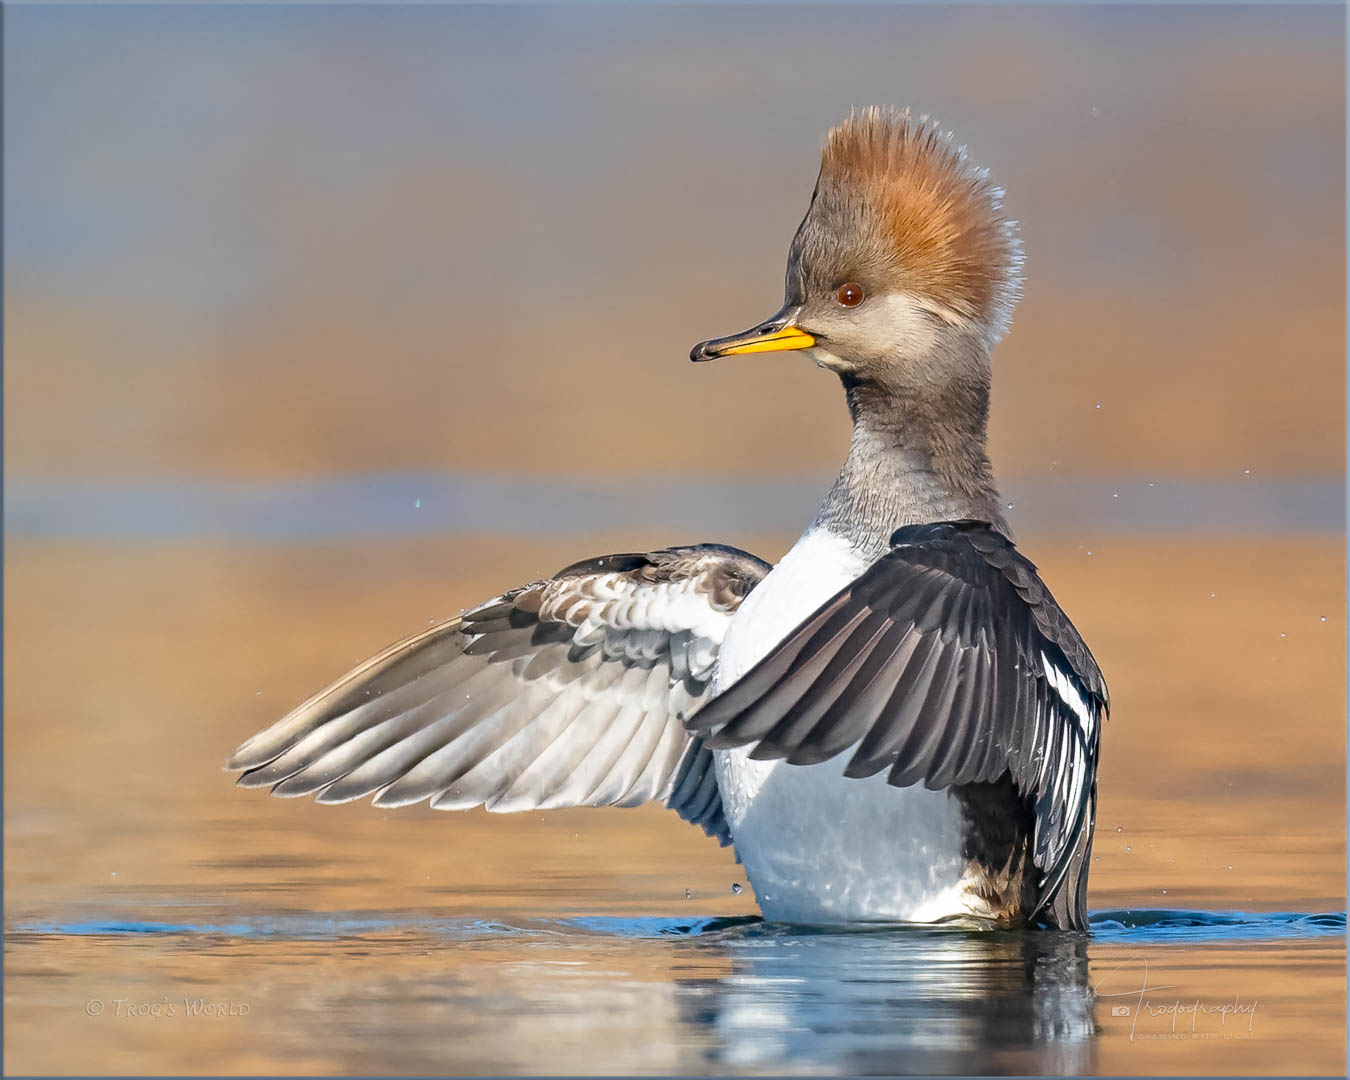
x,y
850,295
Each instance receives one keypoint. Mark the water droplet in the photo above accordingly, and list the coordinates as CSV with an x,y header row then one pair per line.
x,y
431,622
417,504
1246,472
1128,848
1099,404
688,895
1324,618
1011,505
1152,484
1284,635
737,888
258,693
1164,892
1115,494
1089,551
1230,866
1119,829
1212,595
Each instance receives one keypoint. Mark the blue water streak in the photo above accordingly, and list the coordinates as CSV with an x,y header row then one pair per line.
x,y
1125,926
691,507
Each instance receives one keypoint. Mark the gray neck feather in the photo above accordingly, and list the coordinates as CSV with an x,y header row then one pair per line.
x,y
911,461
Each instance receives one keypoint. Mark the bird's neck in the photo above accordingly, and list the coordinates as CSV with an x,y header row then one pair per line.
x,y
912,459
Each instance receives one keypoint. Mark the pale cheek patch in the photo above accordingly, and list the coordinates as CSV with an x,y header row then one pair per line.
x,y
898,322
947,315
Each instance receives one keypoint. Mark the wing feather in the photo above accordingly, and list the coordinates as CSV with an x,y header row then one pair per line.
x,y
949,663
568,691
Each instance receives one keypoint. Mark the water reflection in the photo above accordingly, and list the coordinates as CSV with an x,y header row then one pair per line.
x,y
400,992
899,1002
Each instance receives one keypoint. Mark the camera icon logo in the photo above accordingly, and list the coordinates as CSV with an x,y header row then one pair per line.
x,y
1120,1010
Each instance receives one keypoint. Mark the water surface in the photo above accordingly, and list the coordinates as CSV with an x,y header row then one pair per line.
x,y
382,992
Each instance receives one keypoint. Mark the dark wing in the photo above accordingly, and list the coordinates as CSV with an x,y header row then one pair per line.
x,y
566,692
946,662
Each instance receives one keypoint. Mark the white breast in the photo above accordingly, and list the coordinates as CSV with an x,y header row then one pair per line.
x,y
818,566
817,847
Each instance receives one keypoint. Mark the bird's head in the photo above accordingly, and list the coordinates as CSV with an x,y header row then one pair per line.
x,y
904,270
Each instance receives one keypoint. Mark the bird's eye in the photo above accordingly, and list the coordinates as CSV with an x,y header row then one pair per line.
x,y
850,295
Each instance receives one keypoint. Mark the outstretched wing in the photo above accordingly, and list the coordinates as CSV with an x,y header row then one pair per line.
x,y
946,662
566,692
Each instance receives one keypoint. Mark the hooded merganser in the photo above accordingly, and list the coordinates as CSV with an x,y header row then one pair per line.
x,y
897,723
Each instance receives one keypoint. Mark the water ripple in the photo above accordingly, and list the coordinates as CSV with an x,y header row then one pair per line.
x,y
1124,926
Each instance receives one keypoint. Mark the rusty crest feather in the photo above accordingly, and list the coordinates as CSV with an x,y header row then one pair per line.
x,y
937,219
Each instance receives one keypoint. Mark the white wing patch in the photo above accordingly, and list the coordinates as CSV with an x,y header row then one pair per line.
x,y
1065,751
1068,693
611,605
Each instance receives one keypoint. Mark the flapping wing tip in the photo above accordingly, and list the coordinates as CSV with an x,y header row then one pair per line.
x,y
251,779
241,759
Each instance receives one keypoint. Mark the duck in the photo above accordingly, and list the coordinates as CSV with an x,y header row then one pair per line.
x,y
896,723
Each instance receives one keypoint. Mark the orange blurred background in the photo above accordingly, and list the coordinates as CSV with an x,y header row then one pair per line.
x,y
259,242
